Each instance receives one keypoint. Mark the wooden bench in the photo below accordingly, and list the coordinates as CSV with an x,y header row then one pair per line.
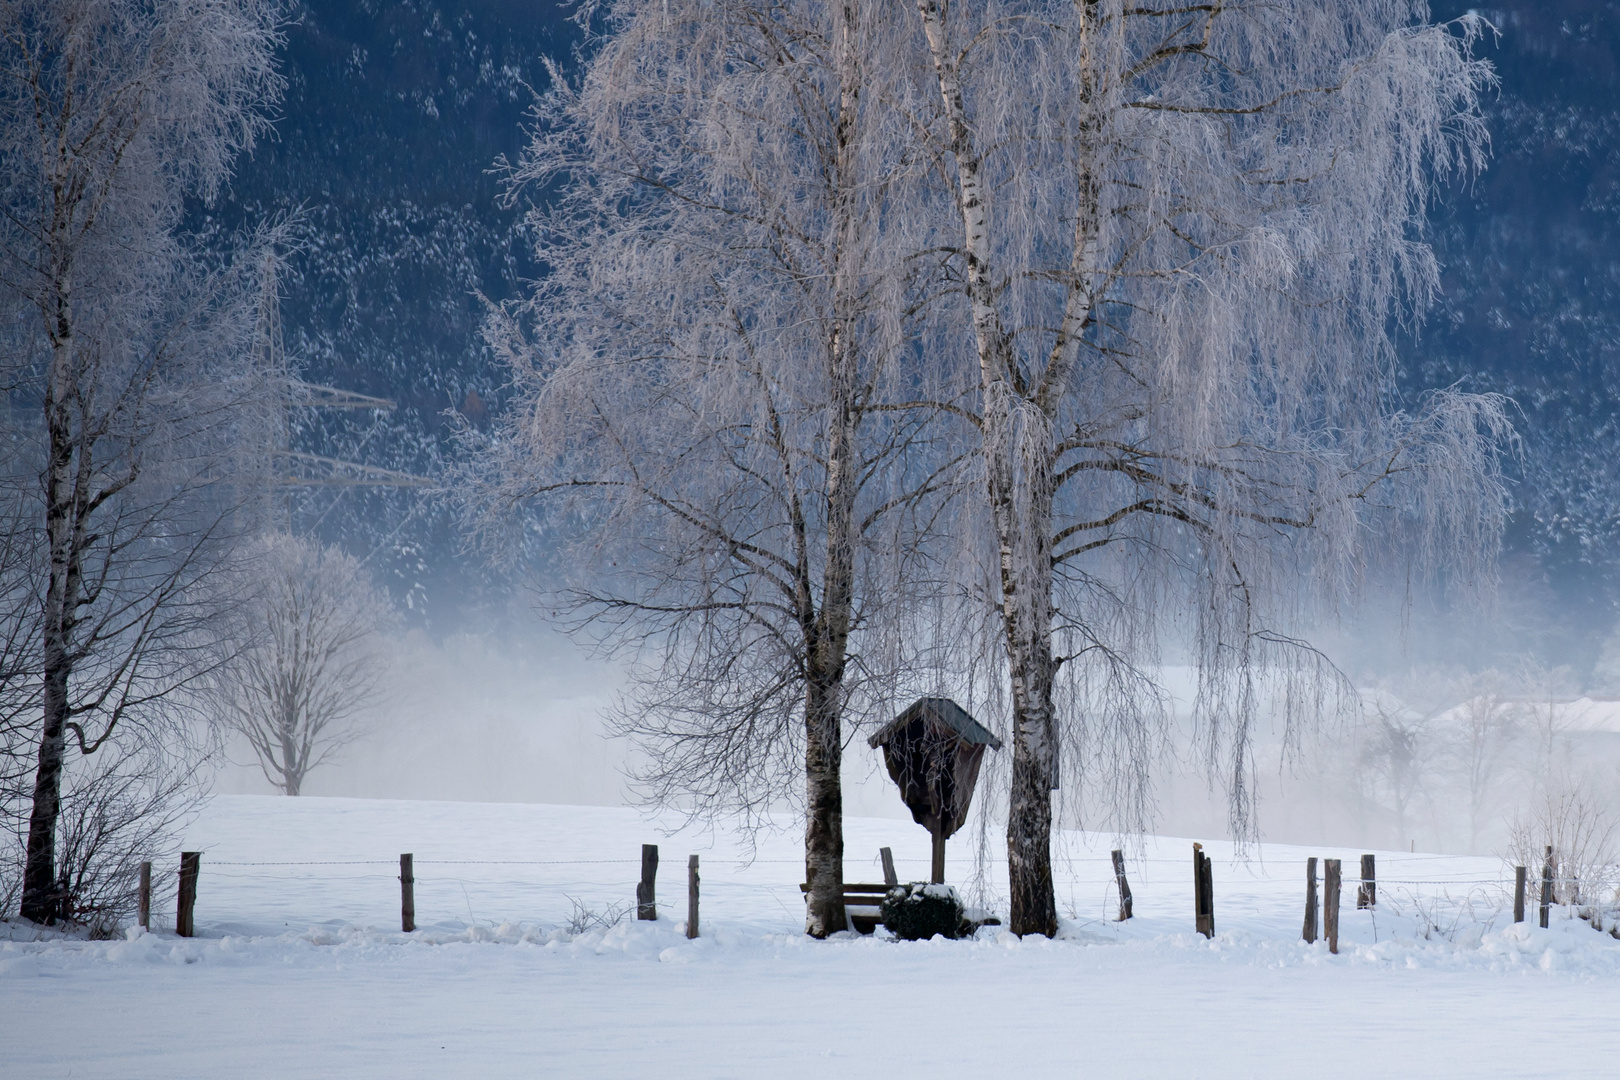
x,y
861,903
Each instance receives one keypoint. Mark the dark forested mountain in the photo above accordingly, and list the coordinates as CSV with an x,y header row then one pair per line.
x,y
1532,301
395,113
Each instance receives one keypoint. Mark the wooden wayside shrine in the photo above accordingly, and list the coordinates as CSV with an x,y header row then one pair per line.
x,y
933,751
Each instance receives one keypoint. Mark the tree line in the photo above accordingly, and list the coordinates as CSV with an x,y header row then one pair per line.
x,y
993,349
997,349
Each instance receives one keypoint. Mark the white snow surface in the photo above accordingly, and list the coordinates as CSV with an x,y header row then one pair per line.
x,y
301,970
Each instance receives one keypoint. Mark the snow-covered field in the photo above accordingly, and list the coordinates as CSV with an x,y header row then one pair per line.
x,y
301,971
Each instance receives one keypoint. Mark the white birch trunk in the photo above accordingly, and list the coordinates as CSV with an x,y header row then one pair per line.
x,y
1019,457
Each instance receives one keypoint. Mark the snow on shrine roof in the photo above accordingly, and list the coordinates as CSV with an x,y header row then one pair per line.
x,y
946,712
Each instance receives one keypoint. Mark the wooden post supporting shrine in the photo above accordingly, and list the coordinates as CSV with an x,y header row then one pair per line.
x,y
937,874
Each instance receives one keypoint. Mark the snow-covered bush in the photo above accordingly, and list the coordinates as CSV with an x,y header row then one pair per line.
x,y
585,918
1573,814
918,911
115,814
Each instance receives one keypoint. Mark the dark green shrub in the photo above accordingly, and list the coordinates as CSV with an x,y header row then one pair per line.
x,y
918,911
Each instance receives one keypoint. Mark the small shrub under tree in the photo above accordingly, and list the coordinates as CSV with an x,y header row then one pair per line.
x,y
918,911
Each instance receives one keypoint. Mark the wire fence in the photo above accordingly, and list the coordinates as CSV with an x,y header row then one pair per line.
x,y
253,895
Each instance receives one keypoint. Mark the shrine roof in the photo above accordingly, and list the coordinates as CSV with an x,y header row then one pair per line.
x,y
943,711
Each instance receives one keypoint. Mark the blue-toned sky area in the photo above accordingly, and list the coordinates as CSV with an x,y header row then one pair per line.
x,y
395,112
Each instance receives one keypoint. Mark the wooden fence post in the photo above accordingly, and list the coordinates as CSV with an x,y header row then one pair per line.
x,y
1198,887
646,894
1310,900
1367,895
1546,886
190,867
889,877
1203,892
692,897
143,899
1330,903
1124,886
1519,876
407,895
1209,895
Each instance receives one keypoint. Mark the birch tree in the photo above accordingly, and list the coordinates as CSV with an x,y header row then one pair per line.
x,y
133,351
1185,233
712,387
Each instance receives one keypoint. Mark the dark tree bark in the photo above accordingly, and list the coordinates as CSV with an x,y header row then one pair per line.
x,y
824,814
828,637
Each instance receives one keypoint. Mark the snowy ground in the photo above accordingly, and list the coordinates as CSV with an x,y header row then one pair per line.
x,y
300,971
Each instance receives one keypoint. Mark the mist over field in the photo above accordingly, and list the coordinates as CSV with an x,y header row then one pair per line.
x,y
513,719
522,717
474,719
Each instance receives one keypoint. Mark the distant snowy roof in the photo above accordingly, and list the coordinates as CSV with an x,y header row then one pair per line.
x,y
944,711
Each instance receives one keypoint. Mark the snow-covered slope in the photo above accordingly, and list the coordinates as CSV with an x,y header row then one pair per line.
x,y
300,970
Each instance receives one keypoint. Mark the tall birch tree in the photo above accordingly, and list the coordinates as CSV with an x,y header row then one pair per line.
x,y
132,350
712,387
1184,235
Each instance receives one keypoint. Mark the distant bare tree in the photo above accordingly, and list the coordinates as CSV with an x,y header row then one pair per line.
x,y
1565,799
1399,754
316,660
133,351
1182,235
1446,738
1551,712
1485,729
